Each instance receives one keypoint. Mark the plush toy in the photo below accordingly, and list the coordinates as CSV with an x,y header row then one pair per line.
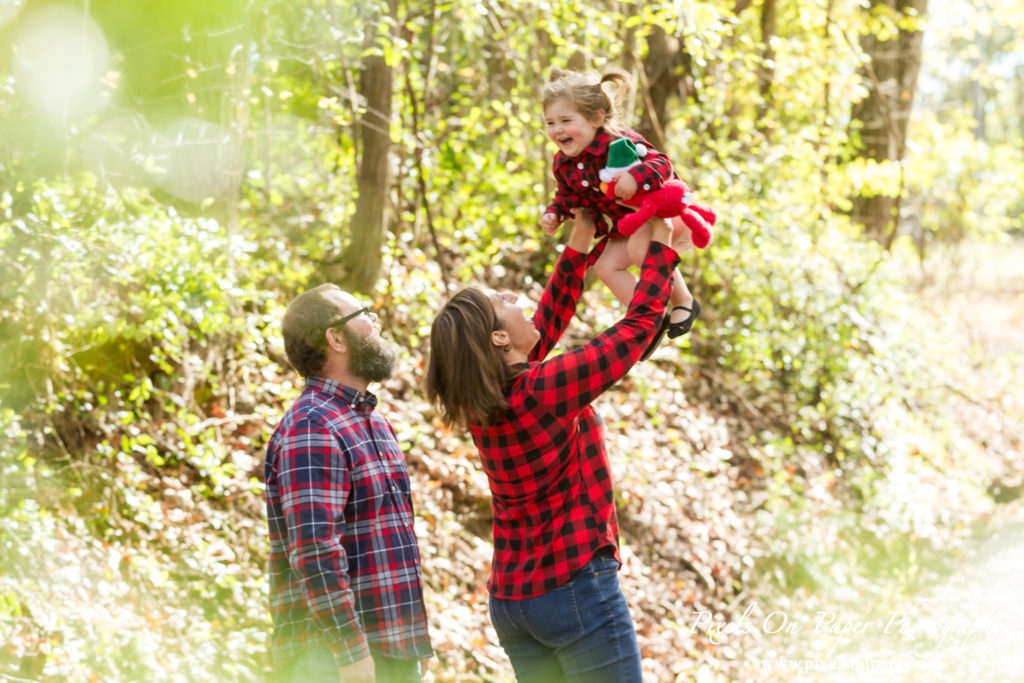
x,y
673,199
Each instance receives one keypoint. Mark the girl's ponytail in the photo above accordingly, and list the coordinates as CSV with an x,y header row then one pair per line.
x,y
622,94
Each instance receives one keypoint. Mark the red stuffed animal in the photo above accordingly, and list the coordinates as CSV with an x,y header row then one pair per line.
x,y
670,200
673,199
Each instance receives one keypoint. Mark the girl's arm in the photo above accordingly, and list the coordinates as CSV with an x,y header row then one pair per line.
x,y
567,383
655,168
564,201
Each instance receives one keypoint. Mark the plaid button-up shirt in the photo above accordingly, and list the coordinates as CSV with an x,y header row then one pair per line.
x,y
579,186
344,564
546,461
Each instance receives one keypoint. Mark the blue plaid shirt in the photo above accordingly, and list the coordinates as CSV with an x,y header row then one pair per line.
x,y
344,564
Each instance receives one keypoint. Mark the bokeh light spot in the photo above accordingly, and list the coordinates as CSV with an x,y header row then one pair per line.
x,y
9,9
61,59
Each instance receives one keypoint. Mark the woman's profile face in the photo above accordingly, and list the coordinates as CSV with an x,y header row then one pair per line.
x,y
522,334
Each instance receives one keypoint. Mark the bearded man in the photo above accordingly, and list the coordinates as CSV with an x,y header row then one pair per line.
x,y
346,588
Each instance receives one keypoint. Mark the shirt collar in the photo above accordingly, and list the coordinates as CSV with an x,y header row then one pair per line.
x,y
357,399
598,147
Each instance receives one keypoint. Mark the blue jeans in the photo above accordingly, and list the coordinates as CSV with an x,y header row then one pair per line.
x,y
317,665
580,632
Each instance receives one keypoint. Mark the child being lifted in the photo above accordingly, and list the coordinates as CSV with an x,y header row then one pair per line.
x,y
612,172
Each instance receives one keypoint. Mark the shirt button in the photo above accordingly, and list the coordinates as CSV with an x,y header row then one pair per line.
x,y
647,186
585,184
580,165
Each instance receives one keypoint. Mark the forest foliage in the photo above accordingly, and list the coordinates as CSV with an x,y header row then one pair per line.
x,y
171,174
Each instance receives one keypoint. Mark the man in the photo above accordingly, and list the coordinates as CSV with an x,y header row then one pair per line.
x,y
345,583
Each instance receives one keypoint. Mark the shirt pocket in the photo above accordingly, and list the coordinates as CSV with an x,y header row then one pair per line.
x,y
385,480
399,487
368,480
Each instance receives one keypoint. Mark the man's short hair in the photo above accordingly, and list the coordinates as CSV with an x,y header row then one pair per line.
x,y
305,322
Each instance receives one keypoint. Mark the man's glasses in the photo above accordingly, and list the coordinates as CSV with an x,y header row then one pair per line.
x,y
344,319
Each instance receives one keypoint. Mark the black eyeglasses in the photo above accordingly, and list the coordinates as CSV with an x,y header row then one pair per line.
x,y
344,319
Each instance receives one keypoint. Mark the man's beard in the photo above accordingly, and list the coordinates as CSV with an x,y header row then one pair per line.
x,y
369,357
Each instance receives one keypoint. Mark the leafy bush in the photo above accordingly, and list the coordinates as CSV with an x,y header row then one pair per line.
x,y
140,365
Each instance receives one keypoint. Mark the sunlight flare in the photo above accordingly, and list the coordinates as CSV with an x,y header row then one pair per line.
x,y
61,58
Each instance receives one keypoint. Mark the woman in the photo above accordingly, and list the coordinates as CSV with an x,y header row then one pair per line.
x,y
555,598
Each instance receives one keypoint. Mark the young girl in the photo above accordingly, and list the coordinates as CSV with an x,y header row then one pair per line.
x,y
580,119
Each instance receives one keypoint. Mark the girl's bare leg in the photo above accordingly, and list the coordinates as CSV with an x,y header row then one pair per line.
x,y
638,244
613,270
681,296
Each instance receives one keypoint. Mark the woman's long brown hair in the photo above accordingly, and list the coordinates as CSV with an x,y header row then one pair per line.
x,y
467,378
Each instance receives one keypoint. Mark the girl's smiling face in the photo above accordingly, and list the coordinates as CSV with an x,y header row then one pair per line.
x,y
568,128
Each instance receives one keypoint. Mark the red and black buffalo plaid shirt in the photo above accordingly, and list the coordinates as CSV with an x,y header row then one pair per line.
x,y
344,564
579,185
546,461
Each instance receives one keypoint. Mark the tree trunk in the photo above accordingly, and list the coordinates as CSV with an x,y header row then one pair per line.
x,y
766,73
629,50
1019,85
882,117
362,260
979,97
660,81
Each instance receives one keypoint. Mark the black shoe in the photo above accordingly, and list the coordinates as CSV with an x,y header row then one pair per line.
x,y
659,334
680,328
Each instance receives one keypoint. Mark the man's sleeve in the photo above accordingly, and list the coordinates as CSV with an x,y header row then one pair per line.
x,y
315,485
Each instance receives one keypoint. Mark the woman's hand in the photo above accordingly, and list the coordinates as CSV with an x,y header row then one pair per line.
x,y
583,231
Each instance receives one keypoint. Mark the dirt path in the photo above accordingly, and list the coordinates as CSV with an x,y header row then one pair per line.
x,y
986,298
979,632
968,626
